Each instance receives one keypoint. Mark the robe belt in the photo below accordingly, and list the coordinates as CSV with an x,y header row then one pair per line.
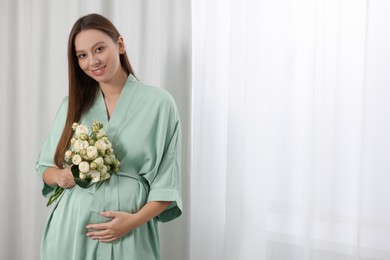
x,y
108,200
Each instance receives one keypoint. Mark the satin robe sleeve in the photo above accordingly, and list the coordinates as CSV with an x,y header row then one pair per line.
x,y
46,155
166,185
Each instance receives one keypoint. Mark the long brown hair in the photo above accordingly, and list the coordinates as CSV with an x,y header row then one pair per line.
x,y
82,88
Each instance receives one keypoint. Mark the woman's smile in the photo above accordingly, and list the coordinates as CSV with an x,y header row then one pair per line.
x,y
99,71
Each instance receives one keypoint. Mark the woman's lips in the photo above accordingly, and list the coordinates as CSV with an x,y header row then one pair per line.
x,y
99,71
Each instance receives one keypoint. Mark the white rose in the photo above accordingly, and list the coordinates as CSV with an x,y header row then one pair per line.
x,y
83,152
101,145
82,175
92,166
117,163
81,129
109,145
68,155
99,161
100,134
95,175
104,176
84,144
77,146
107,159
96,125
74,126
92,152
83,136
76,160
103,170
84,167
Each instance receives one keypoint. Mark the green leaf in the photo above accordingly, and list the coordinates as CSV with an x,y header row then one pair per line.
x,y
76,175
81,183
55,196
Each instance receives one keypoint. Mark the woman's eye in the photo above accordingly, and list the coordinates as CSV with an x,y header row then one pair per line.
x,y
81,56
99,49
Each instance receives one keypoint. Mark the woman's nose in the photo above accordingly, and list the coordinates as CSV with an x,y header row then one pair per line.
x,y
94,61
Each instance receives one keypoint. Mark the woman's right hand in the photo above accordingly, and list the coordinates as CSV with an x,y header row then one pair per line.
x,y
54,176
65,178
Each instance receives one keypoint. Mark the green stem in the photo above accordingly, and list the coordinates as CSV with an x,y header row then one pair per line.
x,y
55,196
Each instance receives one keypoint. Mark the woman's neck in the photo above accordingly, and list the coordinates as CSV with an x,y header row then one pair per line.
x,y
114,87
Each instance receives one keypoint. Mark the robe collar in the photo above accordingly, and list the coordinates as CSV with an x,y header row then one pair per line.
x,y
98,110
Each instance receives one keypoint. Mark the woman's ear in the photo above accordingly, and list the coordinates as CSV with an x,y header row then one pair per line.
x,y
121,45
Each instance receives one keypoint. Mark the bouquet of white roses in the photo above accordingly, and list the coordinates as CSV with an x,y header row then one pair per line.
x,y
91,156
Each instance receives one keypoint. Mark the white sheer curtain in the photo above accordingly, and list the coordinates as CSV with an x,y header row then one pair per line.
x,y
33,80
290,130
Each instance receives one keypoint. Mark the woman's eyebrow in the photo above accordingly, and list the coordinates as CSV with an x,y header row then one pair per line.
x,y
92,46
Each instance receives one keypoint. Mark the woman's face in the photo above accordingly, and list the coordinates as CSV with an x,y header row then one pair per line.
x,y
98,55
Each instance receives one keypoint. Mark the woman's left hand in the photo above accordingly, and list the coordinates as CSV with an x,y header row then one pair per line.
x,y
121,224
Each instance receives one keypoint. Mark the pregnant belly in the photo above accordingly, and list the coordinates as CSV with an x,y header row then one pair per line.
x,y
115,194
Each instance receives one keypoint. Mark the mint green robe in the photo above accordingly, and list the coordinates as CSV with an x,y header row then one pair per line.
x,y
145,132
